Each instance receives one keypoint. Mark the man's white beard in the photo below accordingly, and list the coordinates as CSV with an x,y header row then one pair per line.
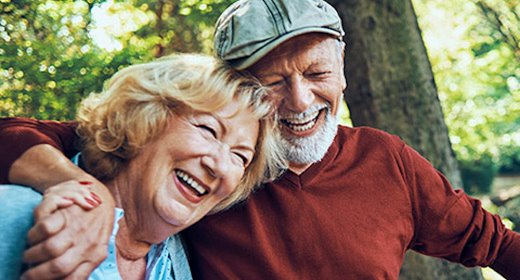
x,y
311,149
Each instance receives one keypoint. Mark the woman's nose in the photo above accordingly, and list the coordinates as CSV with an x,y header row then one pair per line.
x,y
217,162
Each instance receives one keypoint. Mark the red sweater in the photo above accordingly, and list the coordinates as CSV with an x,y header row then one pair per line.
x,y
350,216
19,134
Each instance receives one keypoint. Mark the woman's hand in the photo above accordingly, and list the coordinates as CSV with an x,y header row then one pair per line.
x,y
64,195
69,238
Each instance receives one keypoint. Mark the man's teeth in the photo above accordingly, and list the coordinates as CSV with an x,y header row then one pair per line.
x,y
191,183
302,124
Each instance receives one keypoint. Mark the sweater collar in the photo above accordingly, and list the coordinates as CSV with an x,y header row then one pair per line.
x,y
314,170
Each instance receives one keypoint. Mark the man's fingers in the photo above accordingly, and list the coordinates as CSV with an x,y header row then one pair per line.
x,y
56,268
45,228
46,250
49,270
68,265
48,206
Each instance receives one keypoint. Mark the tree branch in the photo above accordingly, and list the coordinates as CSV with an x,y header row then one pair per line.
x,y
506,196
506,33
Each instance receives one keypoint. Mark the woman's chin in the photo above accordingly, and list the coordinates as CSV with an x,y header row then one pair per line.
x,y
177,217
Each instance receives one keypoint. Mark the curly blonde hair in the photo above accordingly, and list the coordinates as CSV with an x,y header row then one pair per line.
x,y
139,100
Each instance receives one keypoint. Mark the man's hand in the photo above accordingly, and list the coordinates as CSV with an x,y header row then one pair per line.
x,y
69,242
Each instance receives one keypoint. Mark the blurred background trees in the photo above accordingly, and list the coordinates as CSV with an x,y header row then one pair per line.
x,y
53,53
474,48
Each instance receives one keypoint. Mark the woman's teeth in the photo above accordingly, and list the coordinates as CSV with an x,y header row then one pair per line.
x,y
190,182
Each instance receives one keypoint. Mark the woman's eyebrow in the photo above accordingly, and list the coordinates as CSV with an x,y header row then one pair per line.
x,y
220,122
246,147
225,129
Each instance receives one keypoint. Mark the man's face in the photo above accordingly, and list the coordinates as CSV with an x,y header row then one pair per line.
x,y
306,72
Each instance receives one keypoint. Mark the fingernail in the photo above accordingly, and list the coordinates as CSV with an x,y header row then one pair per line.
x,y
95,197
85,183
91,202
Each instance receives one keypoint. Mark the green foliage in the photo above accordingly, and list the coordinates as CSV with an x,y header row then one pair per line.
x,y
48,61
53,53
512,213
477,174
474,50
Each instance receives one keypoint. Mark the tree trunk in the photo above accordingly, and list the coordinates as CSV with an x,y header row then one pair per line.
x,y
391,87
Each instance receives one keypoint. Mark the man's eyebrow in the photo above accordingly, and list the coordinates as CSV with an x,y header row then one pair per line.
x,y
268,75
315,64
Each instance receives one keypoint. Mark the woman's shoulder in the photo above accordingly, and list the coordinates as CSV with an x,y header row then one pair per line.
x,y
17,204
19,198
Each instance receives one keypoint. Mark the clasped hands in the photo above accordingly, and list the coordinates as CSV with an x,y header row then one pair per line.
x,y
71,230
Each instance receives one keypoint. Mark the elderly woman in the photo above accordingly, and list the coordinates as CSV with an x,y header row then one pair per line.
x,y
174,140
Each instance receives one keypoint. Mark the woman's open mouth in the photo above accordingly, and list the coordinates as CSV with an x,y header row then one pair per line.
x,y
191,183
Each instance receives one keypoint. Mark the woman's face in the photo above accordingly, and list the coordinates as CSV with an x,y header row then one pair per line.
x,y
194,165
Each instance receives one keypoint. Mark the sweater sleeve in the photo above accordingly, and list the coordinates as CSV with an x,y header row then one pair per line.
x,y
454,226
17,135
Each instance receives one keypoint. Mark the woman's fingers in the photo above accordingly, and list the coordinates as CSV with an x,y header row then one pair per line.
x,y
65,194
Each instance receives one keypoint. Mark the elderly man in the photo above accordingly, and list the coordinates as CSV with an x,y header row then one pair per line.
x,y
350,205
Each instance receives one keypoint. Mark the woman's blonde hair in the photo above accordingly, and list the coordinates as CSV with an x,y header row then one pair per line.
x,y
139,101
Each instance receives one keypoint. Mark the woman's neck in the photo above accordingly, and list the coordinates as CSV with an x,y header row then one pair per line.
x,y
131,250
131,257
129,245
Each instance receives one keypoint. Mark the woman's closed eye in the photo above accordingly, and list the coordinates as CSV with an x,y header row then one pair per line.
x,y
242,158
208,129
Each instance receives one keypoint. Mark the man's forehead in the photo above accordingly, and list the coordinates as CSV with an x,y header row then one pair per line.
x,y
304,40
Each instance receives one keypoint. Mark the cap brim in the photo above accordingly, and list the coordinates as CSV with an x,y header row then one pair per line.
x,y
243,63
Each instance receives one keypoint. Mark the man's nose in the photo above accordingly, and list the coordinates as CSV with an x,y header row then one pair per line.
x,y
300,96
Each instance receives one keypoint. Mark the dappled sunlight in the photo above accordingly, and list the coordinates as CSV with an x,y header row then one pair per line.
x,y
125,16
477,74
344,115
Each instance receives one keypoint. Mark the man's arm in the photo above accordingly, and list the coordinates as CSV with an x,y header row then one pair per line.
x,y
17,135
454,226
70,242
509,258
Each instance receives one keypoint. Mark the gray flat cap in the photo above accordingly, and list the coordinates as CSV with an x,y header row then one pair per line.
x,y
249,29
